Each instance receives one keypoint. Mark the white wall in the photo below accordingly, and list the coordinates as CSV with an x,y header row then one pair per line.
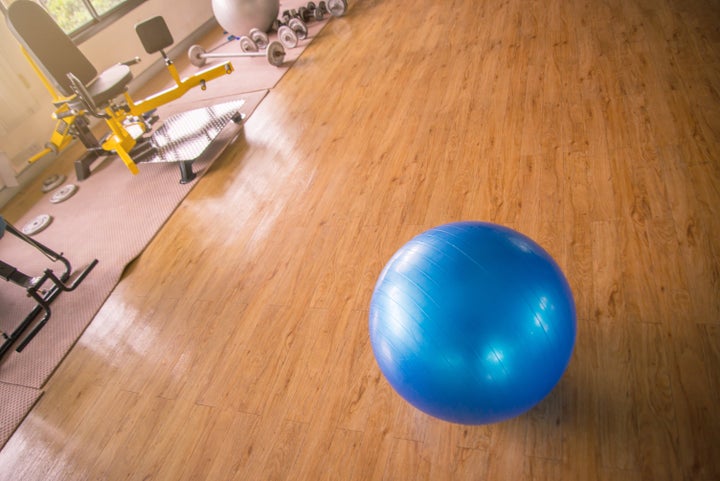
x,y
32,126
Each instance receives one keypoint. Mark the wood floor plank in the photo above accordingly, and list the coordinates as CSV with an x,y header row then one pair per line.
x,y
279,457
510,460
608,289
583,395
618,418
656,420
698,421
406,460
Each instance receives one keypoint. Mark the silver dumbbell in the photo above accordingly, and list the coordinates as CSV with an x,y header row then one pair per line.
x,y
291,32
259,37
275,54
337,8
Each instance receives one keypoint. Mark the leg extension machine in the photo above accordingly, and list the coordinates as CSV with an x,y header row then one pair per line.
x,y
78,91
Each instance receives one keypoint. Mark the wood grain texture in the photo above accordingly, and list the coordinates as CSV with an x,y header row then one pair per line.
x,y
236,346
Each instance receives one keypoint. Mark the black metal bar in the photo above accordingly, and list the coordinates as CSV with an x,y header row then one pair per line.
x,y
49,253
82,165
44,305
43,302
186,171
11,274
23,326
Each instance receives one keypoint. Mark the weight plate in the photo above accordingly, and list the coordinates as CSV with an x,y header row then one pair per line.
x,y
299,28
337,8
259,37
247,45
36,225
276,54
196,55
53,181
304,14
64,194
288,37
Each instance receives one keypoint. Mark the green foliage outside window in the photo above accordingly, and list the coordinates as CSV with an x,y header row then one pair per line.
x,y
104,6
73,14
69,14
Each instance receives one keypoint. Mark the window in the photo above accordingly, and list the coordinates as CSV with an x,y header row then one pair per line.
x,y
83,18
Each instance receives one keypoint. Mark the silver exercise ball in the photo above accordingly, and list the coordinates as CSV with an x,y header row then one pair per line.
x,y
238,17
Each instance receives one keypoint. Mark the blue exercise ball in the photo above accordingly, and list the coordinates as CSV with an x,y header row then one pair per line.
x,y
472,322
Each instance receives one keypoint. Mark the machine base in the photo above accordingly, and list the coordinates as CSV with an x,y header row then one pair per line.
x,y
184,137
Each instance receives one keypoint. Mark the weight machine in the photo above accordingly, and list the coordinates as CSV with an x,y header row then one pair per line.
x,y
78,92
43,289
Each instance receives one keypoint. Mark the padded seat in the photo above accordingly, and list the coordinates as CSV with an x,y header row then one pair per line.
x,y
110,83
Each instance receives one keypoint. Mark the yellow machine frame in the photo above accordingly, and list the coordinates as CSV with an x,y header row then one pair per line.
x,y
118,117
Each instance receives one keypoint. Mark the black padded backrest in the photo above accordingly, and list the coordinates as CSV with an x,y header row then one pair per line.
x,y
154,34
51,48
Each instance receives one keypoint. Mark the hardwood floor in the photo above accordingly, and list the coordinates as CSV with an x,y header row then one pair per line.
x,y
236,346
